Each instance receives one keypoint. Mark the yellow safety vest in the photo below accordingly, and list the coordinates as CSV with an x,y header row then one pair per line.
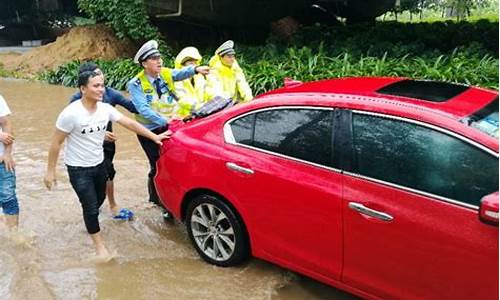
x,y
192,91
228,82
191,96
164,105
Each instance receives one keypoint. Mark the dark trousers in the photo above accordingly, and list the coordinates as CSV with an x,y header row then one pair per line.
x,y
152,151
109,154
89,184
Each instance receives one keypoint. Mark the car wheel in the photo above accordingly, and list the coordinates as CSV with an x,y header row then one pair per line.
x,y
216,231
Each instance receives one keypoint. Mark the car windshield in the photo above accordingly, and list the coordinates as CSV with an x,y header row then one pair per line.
x,y
485,119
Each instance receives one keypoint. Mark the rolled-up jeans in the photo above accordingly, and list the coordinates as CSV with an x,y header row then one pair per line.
x,y
8,198
89,184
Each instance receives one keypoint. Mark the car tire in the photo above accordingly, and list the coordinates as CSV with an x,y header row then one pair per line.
x,y
216,231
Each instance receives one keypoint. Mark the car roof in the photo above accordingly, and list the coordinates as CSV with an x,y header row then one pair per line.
x,y
453,100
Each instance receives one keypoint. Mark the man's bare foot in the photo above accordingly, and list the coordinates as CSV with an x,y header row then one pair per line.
x,y
104,256
115,210
101,250
12,221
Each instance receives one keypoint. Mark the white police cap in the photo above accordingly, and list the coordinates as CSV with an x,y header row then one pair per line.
x,y
149,48
226,48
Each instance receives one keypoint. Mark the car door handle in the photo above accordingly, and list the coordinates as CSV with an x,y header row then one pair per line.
x,y
238,168
370,212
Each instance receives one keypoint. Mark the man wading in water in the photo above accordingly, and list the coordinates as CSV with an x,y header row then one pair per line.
x,y
83,125
113,98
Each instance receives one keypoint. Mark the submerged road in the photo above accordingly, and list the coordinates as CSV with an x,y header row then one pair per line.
x,y
52,257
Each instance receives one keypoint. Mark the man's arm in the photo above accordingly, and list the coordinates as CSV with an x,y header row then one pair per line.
x,y
184,73
134,126
116,98
6,138
55,147
188,72
7,158
142,106
243,87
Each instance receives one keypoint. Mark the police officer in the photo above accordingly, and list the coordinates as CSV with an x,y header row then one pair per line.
x,y
192,92
226,78
153,93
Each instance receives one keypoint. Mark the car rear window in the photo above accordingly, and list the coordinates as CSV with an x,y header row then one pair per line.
x,y
425,90
485,119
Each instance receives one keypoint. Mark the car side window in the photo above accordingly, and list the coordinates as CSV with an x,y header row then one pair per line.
x,y
305,134
242,129
422,158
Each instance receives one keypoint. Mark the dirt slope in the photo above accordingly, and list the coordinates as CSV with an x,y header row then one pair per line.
x,y
83,43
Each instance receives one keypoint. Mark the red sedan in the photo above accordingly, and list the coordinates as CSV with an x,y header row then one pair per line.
x,y
384,187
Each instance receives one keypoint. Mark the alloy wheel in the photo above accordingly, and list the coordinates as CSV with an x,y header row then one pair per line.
x,y
213,232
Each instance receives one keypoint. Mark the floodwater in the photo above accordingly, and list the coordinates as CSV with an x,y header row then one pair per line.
x,y
155,260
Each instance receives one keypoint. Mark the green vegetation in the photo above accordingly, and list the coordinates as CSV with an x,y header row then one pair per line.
x,y
441,10
463,52
7,73
128,18
305,65
118,72
399,39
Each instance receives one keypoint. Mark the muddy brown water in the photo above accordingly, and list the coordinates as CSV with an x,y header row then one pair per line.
x,y
155,260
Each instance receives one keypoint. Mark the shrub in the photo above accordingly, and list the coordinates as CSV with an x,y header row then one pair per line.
x,y
399,39
128,18
305,64
418,50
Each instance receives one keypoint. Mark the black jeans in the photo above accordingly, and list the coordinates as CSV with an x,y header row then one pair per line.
x,y
89,184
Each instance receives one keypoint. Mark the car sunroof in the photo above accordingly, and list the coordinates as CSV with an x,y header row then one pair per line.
x,y
425,90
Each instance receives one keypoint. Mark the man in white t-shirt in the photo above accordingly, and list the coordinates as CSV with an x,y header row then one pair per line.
x,y
83,125
8,198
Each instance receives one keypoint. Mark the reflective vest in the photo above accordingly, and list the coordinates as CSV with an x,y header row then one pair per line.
x,y
228,82
166,105
191,96
192,91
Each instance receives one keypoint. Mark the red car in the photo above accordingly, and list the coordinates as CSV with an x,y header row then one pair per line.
x,y
384,187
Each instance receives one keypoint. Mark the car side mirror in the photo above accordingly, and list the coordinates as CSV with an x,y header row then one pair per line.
x,y
290,82
488,210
